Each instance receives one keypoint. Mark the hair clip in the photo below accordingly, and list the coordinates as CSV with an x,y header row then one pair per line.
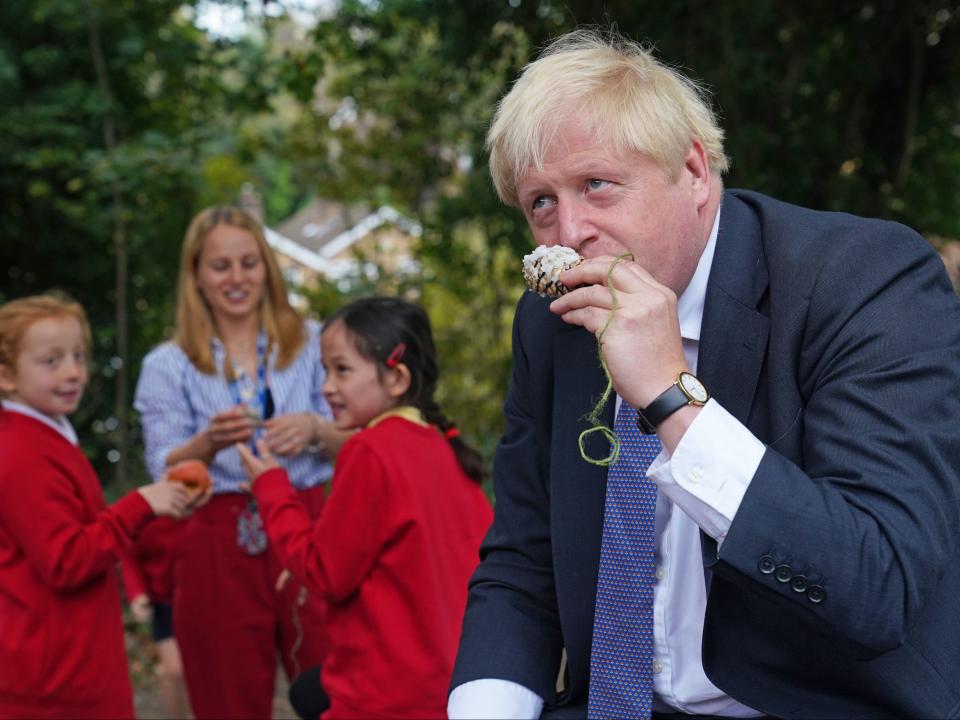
x,y
396,355
451,432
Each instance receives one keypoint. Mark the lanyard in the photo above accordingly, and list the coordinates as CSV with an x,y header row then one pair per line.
x,y
243,391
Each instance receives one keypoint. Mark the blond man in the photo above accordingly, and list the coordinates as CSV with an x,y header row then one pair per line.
x,y
799,370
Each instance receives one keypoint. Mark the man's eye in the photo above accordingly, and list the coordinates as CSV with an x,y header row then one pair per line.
x,y
597,183
541,201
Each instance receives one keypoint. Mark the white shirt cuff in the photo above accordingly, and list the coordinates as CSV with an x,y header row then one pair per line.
x,y
494,699
710,470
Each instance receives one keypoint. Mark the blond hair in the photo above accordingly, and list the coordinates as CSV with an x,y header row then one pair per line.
x,y
195,326
17,316
627,98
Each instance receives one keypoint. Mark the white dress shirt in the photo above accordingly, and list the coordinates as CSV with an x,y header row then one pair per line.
x,y
700,486
60,424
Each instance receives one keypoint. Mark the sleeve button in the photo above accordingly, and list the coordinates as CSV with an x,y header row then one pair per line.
x,y
799,583
783,573
816,594
767,564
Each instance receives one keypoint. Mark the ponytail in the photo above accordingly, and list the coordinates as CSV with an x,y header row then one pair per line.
x,y
388,331
471,462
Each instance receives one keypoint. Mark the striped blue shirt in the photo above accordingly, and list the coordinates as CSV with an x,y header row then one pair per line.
x,y
176,401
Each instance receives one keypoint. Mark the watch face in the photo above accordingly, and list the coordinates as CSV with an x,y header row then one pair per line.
x,y
693,388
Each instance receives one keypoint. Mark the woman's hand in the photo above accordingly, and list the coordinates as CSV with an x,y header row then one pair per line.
x,y
290,434
229,427
253,465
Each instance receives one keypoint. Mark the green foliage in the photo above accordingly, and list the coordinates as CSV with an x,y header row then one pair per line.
x,y
846,106
172,109
850,106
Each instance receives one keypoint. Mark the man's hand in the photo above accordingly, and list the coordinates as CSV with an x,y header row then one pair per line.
x,y
641,344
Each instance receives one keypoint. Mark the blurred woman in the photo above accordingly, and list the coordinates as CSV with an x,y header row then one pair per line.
x,y
242,365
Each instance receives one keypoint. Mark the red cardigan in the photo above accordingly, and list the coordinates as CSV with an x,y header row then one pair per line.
x,y
392,552
148,565
61,631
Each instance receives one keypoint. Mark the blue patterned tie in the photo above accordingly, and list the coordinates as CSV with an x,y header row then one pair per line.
x,y
621,682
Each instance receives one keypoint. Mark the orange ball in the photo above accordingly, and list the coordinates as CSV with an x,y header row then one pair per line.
x,y
192,473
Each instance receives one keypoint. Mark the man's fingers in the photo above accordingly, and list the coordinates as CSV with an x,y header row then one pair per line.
x,y
590,318
626,274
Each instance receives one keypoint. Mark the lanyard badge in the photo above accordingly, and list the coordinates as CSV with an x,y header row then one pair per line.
x,y
257,401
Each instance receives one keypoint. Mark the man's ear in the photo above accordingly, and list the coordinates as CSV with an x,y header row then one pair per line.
x,y
697,165
398,380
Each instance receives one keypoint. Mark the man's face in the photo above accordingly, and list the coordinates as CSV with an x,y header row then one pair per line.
x,y
601,202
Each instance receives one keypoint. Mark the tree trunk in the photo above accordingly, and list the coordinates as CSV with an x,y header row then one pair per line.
x,y
121,357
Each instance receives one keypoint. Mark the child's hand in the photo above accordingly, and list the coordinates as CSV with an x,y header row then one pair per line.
x,y
290,434
141,609
167,499
199,498
255,466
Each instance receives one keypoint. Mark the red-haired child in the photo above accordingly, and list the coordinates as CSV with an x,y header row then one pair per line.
x,y
61,632
397,541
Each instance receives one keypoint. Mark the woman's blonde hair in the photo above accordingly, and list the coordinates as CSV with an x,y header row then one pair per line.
x,y
17,316
195,326
627,98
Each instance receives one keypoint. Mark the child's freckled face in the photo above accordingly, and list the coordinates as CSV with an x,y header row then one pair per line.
x,y
51,367
353,388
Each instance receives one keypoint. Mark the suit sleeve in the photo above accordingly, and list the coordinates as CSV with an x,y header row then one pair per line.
x,y
870,515
47,519
333,554
511,630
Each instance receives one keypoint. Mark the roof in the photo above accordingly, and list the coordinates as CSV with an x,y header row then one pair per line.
x,y
315,235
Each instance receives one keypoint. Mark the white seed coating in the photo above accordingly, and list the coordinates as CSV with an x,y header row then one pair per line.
x,y
542,268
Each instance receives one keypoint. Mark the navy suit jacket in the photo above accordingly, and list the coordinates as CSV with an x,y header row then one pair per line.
x,y
836,341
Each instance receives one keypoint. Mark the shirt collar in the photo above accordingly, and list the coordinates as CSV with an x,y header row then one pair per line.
x,y
407,412
691,302
61,424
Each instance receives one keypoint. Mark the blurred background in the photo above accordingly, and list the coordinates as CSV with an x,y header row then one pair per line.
x,y
355,129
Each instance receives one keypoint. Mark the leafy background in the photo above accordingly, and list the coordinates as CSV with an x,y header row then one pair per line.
x,y
122,118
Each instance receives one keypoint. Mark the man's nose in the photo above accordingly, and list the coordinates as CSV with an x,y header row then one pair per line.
x,y
572,224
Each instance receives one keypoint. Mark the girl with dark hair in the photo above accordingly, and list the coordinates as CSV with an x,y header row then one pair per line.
x,y
397,540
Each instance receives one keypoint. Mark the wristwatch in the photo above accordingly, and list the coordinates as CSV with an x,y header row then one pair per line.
x,y
687,390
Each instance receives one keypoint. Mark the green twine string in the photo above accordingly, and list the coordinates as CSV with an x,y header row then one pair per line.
x,y
593,417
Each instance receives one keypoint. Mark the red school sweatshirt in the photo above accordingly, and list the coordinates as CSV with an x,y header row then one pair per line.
x,y
147,568
62,652
392,552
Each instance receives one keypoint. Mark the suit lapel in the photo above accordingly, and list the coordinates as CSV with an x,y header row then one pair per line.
x,y
733,338
578,490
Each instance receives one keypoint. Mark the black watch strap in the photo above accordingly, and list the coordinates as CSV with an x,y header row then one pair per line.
x,y
662,407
